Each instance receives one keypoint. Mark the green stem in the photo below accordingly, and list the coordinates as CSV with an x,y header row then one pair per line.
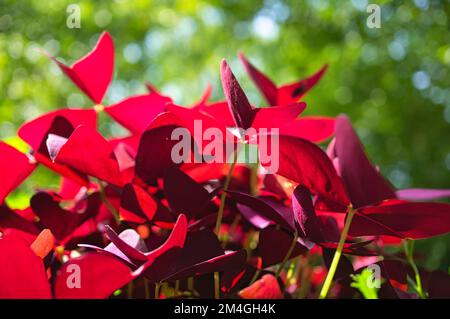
x,y
408,246
337,255
177,287
288,254
216,285
224,194
255,276
220,215
105,200
254,179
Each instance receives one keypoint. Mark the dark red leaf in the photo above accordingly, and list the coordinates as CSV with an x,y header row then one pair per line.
x,y
274,244
154,154
136,205
10,219
306,164
128,236
60,221
402,219
230,261
364,184
305,214
241,109
266,208
183,194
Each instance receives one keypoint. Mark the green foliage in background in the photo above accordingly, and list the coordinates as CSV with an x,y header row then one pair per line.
x,y
393,81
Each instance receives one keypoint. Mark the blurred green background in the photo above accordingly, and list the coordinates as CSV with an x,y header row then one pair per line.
x,y
392,81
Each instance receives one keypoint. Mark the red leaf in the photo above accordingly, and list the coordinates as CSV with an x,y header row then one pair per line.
x,y
49,147
265,288
126,239
88,152
22,274
402,219
285,94
100,275
220,112
176,239
291,93
312,128
277,116
204,121
93,72
137,112
35,131
264,84
164,257
15,168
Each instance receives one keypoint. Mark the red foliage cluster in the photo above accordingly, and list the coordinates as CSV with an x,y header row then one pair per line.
x,y
126,214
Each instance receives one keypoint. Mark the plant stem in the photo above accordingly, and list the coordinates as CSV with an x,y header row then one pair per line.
x,y
146,289
105,200
254,179
255,276
216,285
190,284
224,194
130,288
408,246
288,254
177,287
220,215
157,286
337,255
